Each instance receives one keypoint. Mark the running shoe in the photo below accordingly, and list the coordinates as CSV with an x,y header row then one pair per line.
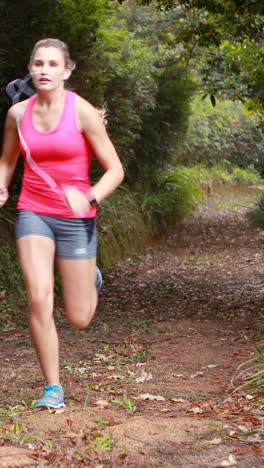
x,y
52,397
98,279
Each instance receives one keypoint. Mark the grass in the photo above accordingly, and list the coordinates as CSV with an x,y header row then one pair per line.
x,y
141,325
126,403
92,443
198,257
256,214
174,196
225,174
252,372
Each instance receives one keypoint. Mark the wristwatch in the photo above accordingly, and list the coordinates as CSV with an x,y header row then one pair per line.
x,y
93,202
91,198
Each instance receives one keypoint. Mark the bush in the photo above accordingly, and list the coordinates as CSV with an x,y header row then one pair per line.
x,y
224,131
122,226
256,214
249,176
12,293
165,125
213,177
252,372
174,196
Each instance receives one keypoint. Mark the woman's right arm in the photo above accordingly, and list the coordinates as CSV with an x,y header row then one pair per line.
x,y
9,156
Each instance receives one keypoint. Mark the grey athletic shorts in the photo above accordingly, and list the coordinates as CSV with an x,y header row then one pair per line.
x,y
74,238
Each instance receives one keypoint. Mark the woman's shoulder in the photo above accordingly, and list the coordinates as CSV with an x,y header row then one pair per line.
x,y
88,115
83,105
17,110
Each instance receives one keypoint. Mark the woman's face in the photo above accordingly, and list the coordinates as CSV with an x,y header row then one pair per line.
x,y
48,68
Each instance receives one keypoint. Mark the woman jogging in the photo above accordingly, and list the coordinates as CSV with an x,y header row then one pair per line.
x,y
57,132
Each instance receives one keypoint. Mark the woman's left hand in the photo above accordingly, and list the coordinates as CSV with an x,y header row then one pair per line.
x,y
76,200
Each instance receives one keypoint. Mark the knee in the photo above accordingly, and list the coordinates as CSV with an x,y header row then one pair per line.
x,y
79,322
40,298
81,319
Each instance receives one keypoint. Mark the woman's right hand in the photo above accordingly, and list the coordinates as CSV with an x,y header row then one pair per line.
x,y
76,200
4,195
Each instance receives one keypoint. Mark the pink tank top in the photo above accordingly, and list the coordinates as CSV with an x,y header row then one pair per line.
x,y
65,156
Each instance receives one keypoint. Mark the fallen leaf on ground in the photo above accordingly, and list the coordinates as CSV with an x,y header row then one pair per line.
x,y
101,357
216,441
144,377
197,374
102,403
196,410
147,396
231,461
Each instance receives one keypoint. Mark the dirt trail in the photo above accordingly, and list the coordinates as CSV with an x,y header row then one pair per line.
x,y
149,383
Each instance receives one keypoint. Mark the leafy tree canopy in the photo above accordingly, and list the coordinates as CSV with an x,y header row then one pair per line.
x,y
223,40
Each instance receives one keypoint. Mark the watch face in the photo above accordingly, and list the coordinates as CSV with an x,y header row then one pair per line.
x,y
93,202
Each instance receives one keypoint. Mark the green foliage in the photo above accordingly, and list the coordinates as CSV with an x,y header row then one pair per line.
x,y
123,78
144,87
252,372
12,294
174,196
10,275
101,442
128,219
211,178
225,131
177,192
127,403
249,176
235,71
223,40
165,126
256,214
122,227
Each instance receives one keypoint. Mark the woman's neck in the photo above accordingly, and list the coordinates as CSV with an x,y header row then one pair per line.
x,y
48,98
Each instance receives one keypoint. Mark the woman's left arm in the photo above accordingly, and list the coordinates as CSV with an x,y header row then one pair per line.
x,y
91,125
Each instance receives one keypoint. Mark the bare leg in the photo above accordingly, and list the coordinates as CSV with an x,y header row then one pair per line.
x,y
79,291
36,255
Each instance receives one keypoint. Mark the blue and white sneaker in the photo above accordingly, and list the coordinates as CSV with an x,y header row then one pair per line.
x,y
52,397
98,279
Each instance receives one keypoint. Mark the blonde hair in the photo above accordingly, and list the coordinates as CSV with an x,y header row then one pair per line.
x,y
50,42
103,114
